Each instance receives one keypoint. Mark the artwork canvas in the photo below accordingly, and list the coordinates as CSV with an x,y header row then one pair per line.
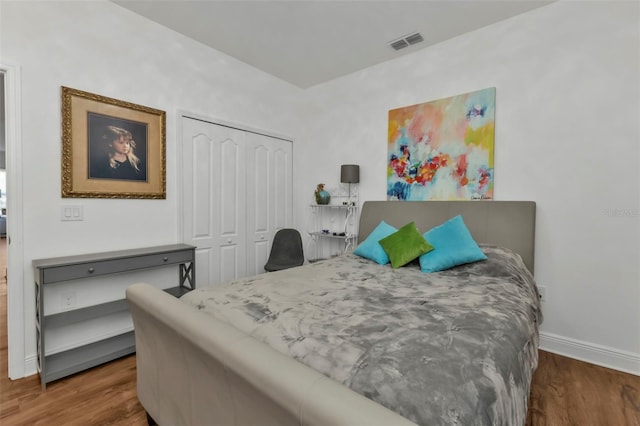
x,y
443,149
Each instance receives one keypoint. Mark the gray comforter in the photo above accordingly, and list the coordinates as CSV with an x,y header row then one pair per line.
x,y
455,347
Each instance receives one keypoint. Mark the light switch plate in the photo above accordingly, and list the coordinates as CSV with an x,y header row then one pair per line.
x,y
71,213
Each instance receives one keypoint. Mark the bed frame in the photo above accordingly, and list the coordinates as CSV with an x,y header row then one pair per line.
x,y
510,224
193,369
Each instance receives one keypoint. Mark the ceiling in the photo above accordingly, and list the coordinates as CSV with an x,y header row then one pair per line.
x,y
308,42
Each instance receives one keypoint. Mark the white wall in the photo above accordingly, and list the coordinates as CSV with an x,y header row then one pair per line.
x,y
567,81
102,48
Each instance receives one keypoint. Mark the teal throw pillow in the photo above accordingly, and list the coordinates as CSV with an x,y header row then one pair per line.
x,y
453,246
371,249
405,245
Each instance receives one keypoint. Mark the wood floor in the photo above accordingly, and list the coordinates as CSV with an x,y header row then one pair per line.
x,y
569,392
564,392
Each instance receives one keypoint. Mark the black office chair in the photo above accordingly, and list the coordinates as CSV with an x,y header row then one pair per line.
x,y
286,251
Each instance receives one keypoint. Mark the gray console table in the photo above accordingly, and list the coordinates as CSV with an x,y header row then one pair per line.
x,y
53,365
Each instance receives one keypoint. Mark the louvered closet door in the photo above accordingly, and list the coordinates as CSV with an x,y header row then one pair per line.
x,y
269,195
214,201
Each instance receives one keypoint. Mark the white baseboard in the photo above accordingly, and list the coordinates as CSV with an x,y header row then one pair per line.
x,y
615,359
31,365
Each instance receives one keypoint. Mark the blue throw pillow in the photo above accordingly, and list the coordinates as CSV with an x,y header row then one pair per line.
x,y
371,249
453,246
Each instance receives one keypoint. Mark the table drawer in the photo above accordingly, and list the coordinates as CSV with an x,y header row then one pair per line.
x,y
96,268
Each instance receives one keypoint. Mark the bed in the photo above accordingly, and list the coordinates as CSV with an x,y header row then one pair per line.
x,y
350,341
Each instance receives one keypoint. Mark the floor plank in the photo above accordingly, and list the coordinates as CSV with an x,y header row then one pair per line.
x,y
564,392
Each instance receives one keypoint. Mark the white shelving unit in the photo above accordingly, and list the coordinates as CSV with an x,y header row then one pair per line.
x,y
332,228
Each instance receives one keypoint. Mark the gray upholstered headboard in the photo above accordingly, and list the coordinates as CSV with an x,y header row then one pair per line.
x,y
510,224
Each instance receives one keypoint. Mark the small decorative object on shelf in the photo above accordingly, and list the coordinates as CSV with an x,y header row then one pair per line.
x,y
322,196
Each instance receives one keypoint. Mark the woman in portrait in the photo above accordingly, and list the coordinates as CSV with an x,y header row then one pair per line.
x,y
120,161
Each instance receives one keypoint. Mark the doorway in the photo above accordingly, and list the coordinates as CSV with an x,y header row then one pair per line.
x,y
3,227
18,365
3,192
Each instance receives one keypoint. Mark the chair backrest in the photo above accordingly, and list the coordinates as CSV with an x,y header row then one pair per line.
x,y
286,251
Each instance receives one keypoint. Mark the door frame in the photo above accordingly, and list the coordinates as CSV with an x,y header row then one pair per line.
x,y
15,250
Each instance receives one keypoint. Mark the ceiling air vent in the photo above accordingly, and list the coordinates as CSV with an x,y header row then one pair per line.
x,y
405,41
399,44
414,38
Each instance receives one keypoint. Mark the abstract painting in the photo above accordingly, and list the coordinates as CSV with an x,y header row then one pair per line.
x,y
443,149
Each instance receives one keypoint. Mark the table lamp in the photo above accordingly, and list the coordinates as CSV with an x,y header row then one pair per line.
x,y
350,173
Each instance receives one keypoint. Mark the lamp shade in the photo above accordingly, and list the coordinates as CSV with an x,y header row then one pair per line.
x,y
349,173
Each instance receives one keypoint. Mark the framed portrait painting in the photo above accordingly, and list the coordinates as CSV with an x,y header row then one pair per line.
x,y
111,148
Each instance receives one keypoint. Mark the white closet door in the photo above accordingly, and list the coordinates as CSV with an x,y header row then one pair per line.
x,y
269,195
214,209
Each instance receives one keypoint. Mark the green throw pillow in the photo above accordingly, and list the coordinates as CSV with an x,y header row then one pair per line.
x,y
405,245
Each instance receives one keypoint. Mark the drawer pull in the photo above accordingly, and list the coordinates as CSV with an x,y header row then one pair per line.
x,y
165,258
91,270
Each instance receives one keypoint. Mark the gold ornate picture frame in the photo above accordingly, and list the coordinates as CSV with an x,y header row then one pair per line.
x,y
111,148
